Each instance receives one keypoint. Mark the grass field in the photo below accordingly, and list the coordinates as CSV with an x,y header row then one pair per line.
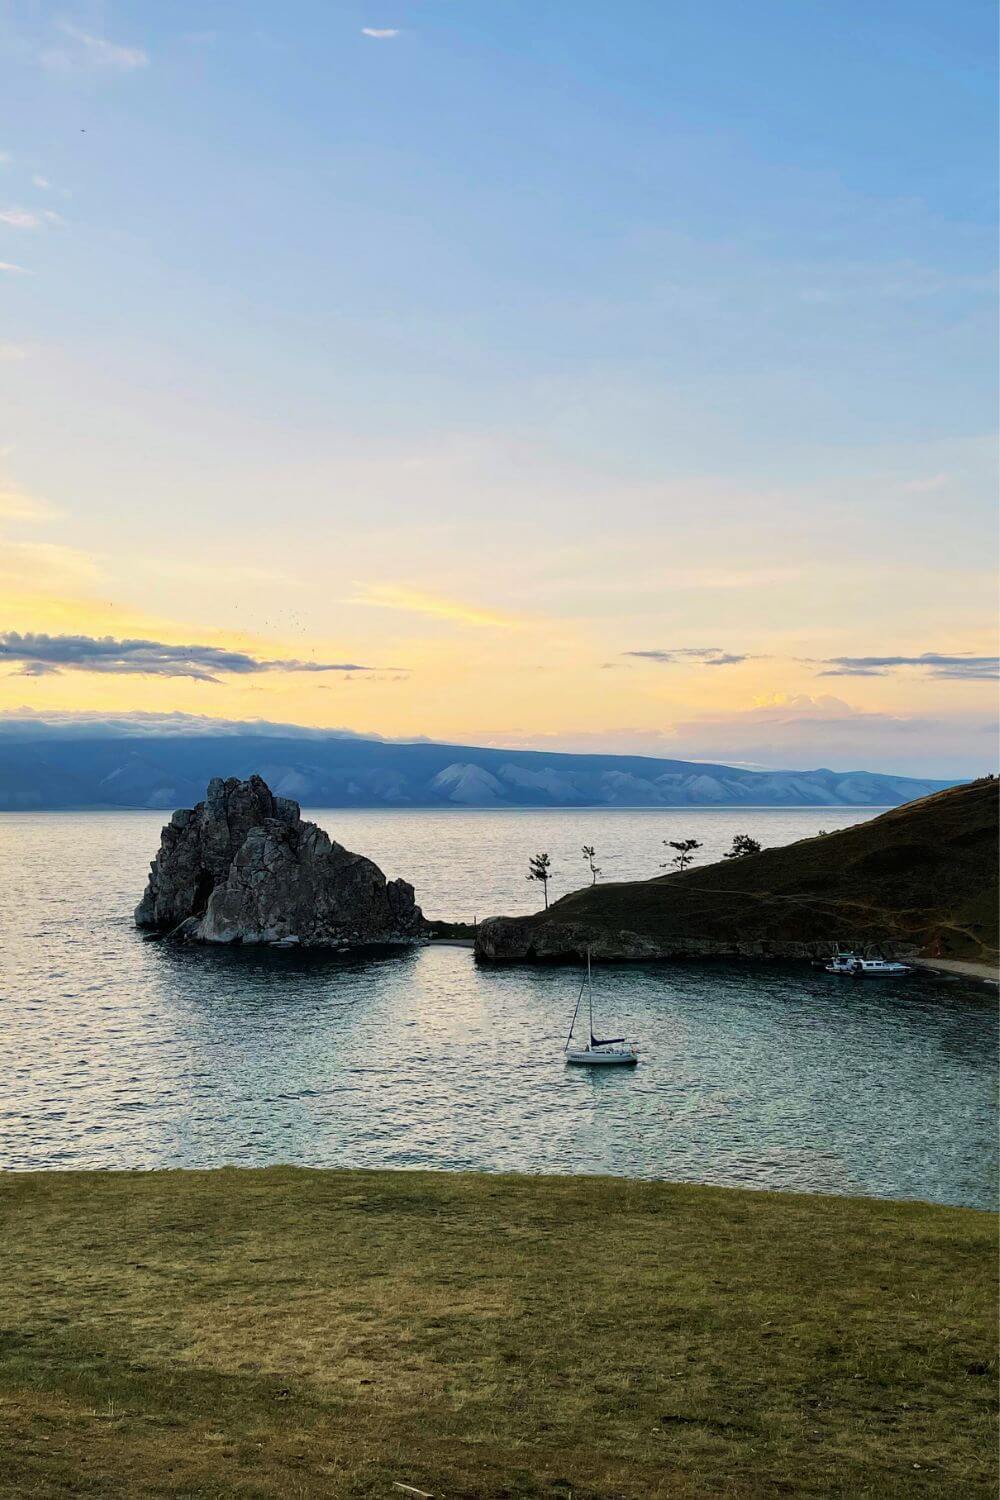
x,y
300,1333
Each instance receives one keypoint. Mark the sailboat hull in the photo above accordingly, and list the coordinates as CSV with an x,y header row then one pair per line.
x,y
613,1057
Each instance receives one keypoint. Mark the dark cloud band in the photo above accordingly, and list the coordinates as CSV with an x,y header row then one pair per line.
x,y
709,656
43,654
963,667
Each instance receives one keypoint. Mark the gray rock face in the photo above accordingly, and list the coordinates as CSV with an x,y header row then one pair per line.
x,y
242,867
509,940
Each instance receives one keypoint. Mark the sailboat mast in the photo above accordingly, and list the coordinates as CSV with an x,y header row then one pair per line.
x,y
590,996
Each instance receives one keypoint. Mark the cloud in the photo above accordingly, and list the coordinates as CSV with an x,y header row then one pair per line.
x,y
37,669
89,51
24,722
802,730
8,265
380,33
12,351
84,653
413,601
19,218
962,667
708,656
44,566
16,506
41,182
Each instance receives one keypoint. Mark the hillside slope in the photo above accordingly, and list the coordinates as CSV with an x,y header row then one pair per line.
x,y
167,771
919,879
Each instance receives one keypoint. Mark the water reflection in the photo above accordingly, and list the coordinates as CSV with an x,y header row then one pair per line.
x,y
121,1052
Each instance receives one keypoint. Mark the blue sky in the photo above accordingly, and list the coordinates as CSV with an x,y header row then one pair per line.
x,y
602,326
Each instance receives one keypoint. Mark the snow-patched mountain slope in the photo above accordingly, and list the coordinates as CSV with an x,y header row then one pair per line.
x,y
167,770
469,785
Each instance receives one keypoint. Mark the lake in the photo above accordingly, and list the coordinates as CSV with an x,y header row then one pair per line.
x,y
120,1052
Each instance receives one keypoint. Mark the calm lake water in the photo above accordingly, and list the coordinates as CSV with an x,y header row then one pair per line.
x,y
120,1052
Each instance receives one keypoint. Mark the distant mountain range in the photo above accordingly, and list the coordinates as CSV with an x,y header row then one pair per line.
x,y
166,771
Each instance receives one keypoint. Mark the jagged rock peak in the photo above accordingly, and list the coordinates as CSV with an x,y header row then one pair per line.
x,y
243,867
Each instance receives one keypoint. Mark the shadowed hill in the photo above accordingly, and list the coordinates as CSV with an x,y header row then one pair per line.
x,y
919,879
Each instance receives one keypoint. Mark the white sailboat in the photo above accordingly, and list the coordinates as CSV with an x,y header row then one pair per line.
x,y
599,1052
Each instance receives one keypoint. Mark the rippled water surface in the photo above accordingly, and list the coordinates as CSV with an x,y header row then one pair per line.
x,y
120,1052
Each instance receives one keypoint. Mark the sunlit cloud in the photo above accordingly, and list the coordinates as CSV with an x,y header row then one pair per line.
x,y
19,218
380,33
83,653
8,265
86,50
15,505
44,565
413,601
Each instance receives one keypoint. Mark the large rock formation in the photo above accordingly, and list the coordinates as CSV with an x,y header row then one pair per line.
x,y
242,867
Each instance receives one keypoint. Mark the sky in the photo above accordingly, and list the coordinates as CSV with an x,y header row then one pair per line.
x,y
582,376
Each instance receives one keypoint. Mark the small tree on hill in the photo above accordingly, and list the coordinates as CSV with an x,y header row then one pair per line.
x,y
540,868
743,844
590,855
685,852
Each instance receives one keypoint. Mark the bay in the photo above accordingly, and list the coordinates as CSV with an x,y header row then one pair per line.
x,y
118,1052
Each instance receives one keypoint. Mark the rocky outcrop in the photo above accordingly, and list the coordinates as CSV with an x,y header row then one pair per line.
x,y
510,940
243,867
920,880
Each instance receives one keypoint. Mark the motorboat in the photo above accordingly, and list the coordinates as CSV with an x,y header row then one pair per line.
x,y
856,967
598,1052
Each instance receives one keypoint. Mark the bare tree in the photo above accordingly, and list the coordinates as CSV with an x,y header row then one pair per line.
x,y
540,868
589,854
743,844
685,852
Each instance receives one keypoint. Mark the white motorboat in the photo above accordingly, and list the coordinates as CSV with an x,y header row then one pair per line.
x,y
856,967
599,1052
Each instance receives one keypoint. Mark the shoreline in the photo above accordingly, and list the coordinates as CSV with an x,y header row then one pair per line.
x,y
956,968
959,968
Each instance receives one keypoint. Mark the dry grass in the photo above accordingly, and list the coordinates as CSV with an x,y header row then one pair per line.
x,y
295,1333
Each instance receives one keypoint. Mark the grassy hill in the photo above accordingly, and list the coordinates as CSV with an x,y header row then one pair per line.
x,y
326,1334
919,879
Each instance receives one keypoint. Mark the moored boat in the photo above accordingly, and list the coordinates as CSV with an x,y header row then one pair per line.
x,y
599,1052
856,967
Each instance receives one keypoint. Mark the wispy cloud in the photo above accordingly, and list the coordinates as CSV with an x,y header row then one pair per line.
x,y
708,656
41,182
413,601
91,723
15,505
83,49
84,653
963,666
8,265
12,351
380,33
19,218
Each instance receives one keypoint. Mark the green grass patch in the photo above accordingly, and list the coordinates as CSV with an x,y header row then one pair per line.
x,y
303,1333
